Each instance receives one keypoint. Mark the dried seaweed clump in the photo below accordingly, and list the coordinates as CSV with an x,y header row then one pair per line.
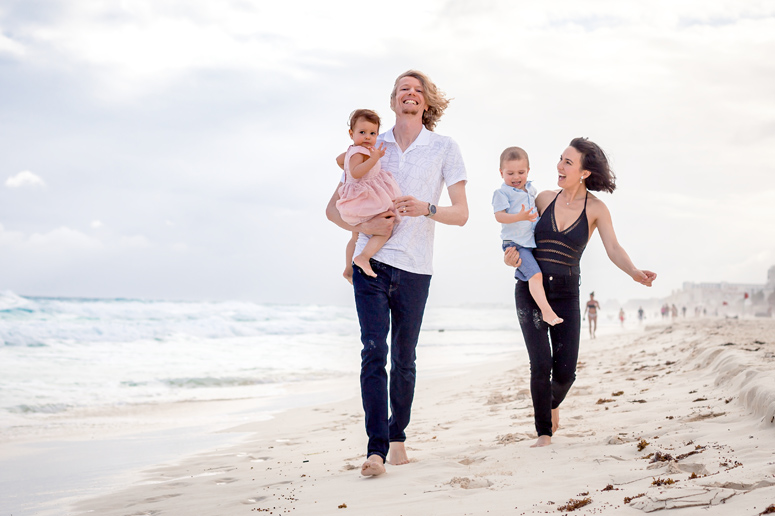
x,y
642,444
603,400
662,457
628,499
662,481
768,510
609,487
572,504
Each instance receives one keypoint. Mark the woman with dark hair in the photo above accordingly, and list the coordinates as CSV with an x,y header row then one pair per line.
x,y
569,217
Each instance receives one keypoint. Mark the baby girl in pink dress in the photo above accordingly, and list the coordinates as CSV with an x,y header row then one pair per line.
x,y
367,190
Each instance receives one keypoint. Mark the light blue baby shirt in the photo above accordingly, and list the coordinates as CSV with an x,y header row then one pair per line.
x,y
511,199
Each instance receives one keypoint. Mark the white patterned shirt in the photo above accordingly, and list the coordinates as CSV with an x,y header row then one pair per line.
x,y
430,162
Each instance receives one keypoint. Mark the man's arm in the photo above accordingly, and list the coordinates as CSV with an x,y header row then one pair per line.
x,y
457,214
382,224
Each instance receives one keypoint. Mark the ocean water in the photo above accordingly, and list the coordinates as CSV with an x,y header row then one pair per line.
x,y
61,356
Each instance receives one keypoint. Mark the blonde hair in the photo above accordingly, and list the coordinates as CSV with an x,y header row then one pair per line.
x,y
434,97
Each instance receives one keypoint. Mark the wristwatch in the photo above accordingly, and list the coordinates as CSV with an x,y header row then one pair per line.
x,y
431,210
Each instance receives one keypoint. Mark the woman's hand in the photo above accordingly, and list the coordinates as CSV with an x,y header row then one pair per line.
x,y
644,277
511,257
408,206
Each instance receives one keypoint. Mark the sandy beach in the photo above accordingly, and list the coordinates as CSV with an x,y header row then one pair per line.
x,y
678,416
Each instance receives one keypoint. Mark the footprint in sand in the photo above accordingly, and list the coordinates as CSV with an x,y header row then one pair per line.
x,y
470,483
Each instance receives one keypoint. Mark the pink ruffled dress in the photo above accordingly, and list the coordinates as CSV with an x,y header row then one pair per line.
x,y
365,198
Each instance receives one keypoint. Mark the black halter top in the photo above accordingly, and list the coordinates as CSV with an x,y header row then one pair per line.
x,y
559,252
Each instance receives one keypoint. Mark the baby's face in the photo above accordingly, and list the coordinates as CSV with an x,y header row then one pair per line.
x,y
364,133
514,173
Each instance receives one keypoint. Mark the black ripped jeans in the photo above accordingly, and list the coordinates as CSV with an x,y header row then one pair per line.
x,y
553,350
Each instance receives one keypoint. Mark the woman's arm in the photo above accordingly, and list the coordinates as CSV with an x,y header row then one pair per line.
x,y
616,253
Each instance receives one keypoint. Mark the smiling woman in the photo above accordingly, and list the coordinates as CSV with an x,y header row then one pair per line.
x,y
569,217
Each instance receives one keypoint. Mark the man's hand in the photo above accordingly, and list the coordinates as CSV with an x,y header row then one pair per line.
x,y
381,225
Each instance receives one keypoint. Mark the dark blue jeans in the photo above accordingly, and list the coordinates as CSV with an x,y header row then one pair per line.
x,y
553,350
394,301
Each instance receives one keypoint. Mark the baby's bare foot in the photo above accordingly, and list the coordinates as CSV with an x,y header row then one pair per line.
x,y
365,266
551,318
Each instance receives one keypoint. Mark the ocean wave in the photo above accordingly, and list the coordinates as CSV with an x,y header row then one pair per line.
x,y
209,381
46,408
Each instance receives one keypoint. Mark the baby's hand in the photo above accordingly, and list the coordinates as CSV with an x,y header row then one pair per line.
x,y
531,215
377,152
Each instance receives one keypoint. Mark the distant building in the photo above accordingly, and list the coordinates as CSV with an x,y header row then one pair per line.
x,y
728,298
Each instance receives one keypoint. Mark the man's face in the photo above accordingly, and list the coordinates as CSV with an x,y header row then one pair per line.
x,y
410,97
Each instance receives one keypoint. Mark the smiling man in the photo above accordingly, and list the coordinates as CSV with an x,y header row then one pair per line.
x,y
422,163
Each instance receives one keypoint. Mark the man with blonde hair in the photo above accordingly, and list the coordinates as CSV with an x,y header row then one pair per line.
x,y
422,162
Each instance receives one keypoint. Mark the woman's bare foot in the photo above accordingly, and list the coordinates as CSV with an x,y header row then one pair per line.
x,y
373,466
365,266
550,317
543,440
397,454
555,419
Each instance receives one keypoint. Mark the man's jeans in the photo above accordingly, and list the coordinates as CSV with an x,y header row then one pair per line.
x,y
394,300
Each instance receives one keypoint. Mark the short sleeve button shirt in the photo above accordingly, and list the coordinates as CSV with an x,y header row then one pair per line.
x,y
428,164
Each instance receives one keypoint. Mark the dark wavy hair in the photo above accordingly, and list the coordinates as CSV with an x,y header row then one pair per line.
x,y
601,177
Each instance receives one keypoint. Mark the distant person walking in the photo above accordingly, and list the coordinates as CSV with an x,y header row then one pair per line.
x,y
590,311
621,316
569,217
422,162
640,314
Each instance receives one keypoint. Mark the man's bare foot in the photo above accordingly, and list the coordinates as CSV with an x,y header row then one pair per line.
x,y
551,318
555,419
397,454
365,266
543,440
373,466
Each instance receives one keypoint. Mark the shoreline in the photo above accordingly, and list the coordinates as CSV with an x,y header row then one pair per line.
x,y
698,392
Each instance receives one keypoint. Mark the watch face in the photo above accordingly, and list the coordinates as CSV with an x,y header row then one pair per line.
x,y
432,209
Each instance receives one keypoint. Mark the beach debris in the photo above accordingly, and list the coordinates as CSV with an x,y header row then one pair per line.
x,y
604,400
349,467
697,449
768,510
639,401
511,438
699,399
573,504
659,481
628,499
662,457
343,506
680,498
642,444
617,393
610,487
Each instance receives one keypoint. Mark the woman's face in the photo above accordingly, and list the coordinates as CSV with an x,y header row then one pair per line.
x,y
569,168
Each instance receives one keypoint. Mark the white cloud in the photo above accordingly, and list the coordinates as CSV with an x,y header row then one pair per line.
x,y
10,47
96,224
63,238
135,242
24,178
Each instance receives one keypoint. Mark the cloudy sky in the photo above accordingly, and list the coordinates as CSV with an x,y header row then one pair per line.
x,y
185,149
